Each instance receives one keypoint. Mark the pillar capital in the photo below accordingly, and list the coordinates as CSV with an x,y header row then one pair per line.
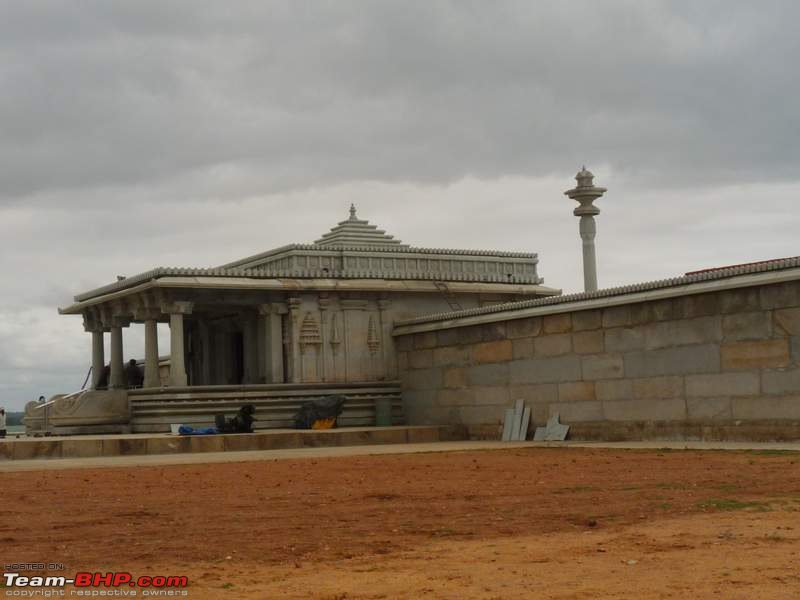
x,y
294,305
270,308
120,320
353,304
92,324
147,313
178,307
585,193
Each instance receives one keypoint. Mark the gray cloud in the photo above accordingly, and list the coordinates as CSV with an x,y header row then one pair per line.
x,y
113,93
190,133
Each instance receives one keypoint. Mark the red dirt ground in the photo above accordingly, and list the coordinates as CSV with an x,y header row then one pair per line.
x,y
522,523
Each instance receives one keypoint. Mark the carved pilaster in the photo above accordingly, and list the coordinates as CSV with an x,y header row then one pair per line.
x,y
294,339
388,359
353,328
324,304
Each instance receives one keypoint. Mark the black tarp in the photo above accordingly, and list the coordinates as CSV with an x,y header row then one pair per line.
x,y
317,410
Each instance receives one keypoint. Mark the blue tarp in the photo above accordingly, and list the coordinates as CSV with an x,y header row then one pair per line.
x,y
186,430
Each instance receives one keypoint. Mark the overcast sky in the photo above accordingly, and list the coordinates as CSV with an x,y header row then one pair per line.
x,y
158,133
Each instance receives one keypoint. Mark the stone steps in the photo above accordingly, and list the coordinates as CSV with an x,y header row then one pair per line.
x,y
154,411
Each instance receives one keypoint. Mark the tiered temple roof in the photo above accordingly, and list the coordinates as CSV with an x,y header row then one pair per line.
x,y
357,232
356,249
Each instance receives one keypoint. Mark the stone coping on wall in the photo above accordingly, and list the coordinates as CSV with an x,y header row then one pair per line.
x,y
770,272
146,444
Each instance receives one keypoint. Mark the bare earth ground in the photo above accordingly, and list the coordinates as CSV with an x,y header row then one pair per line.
x,y
522,523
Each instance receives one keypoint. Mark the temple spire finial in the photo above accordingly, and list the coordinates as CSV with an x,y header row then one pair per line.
x,y
353,213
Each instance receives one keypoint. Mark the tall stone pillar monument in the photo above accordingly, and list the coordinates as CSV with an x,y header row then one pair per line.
x,y
586,193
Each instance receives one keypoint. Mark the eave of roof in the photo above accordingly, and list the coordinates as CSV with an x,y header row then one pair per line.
x,y
218,282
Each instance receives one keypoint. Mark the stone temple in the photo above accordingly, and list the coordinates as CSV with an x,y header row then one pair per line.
x,y
446,338
276,328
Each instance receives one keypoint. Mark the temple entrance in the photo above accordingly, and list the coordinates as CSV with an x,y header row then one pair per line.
x,y
237,357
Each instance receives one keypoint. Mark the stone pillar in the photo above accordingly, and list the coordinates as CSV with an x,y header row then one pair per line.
x,y
98,357
150,316
151,378
116,379
177,367
588,229
93,325
271,340
586,193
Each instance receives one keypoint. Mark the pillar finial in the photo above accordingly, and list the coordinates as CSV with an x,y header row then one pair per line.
x,y
353,213
585,193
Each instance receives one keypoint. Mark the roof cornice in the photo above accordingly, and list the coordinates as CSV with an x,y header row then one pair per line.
x,y
257,273
225,282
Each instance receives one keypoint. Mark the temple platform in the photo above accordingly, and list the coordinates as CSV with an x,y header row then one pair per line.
x,y
93,446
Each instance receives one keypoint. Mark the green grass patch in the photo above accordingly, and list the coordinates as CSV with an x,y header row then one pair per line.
x,y
768,452
444,532
730,504
728,487
576,489
677,485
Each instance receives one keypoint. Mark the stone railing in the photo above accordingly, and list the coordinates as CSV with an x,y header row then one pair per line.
x,y
313,262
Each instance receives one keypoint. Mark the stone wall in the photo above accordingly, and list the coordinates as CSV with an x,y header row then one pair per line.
x,y
721,365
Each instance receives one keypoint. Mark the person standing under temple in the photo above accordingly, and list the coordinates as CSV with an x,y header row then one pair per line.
x,y
134,378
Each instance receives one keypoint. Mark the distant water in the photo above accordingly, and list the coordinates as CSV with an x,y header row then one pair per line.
x,y
15,429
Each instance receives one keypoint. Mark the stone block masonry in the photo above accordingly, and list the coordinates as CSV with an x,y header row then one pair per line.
x,y
721,364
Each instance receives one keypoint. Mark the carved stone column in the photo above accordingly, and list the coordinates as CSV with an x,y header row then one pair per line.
x,y
94,326
177,367
116,379
271,338
150,316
